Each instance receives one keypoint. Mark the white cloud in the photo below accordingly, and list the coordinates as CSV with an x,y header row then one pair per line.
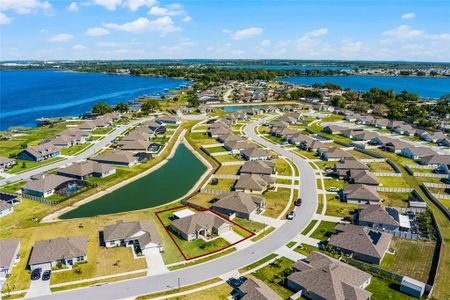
x,y
73,6
170,10
187,19
162,25
24,7
408,16
108,4
107,44
62,37
4,19
404,32
316,32
266,43
79,47
134,5
244,33
96,31
352,49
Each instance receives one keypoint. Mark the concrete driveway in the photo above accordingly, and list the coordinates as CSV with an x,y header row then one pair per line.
x,y
155,262
39,287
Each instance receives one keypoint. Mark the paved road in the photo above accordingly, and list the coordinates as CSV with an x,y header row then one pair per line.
x,y
225,264
227,94
96,147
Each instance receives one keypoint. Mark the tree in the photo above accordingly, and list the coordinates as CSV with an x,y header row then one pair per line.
x,y
338,101
150,105
101,108
122,107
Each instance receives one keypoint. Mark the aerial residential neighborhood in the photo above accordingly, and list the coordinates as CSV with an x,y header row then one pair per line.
x,y
224,150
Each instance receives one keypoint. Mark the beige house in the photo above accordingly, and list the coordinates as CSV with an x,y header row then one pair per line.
x,y
200,225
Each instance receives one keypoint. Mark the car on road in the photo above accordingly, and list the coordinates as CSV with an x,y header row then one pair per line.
x,y
36,274
46,275
290,215
333,189
298,202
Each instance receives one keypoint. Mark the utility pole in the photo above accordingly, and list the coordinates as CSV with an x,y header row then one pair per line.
x,y
179,283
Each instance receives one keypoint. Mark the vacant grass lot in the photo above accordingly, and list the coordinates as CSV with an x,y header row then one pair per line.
x,y
359,154
393,181
395,199
227,157
333,183
229,170
216,149
380,167
411,258
270,275
276,202
324,231
308,154
202,199
282,167
223,184
335,207
202,138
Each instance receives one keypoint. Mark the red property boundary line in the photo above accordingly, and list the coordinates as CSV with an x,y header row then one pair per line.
x,y
252,234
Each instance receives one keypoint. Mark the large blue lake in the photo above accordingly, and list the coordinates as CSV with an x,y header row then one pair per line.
x,y
286,67
426,87
28,95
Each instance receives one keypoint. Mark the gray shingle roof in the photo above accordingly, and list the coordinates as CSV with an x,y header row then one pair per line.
x,y
126,231
237,201
362,192
64,247
264,167
375,214
8,249
191,224
46,182
254,182
85,168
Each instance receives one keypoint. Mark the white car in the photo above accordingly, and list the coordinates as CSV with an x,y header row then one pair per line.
x,y
333,189
290,215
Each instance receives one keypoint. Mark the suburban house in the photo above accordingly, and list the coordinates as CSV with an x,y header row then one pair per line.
x,y
380,140
45,185
66,141
164,120
343,168
417,152
238,204
203,109
216,131
237,146
253,183
64,250
361,194
364,135
87,125
9,257
200,225
154,127
334,129
5,208
362,243
435,160
432,137
137,134
40,152
407,130
259,167
381,123
382,218
230,137
321,277
255,154
139,235
311,144
296,138
120,158
363,177
365,120
394,124
444,142
255,289
86,169
6,163
351,132
135,145
334,154
395,145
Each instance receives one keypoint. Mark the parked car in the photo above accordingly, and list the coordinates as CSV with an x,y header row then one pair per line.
x,y
290,215
298,202
333,189
242,279
46,275
36,274
234,282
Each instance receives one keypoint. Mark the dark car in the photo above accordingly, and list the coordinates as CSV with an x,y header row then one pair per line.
x,y
242,279
234,282
46,275
298,202
36,274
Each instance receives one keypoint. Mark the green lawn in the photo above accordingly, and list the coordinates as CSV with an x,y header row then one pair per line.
x,y
395,199
227,158
223,184
116,176
309,227
26,165
250,225
411,258
276,202
384,290
274,274
102,130
359,154
274,139
216,149
305,249
202,260
282,167
75,149
333,183
324,231
337,208
202,138
257,263
380,167
229,170
323,164
12,187
265,232
308,154
393,181
320,204
202,199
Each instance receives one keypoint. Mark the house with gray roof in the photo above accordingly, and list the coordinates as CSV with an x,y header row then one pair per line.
x,y
6,163
119,158
39,152
362,243
322,277
86,169
334,154
259,167
416,152
406,129
6,208
230,137
238,204
135,145
164,120
255,154
200,225
237,146
253,183
64,250
216,131
311,144
9,256
334,129
255,289
363,177
138,235
361,194
381,123
381,218
351,132
45,185
364,135
380,140
395,145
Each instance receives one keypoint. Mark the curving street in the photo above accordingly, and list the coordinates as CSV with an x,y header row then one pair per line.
x,y
222,265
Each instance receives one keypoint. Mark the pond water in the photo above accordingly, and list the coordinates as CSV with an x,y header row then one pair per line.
x,y
170,182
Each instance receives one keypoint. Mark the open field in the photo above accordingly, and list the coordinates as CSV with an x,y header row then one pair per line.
x,y
411,258
229,170
333,183
276,202
227,157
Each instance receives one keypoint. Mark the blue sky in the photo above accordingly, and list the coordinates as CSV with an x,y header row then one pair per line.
x,y
146,29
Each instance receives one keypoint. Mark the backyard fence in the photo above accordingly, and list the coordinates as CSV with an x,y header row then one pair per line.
x,y
209,191
225,176
232,163
375,270
39,199
437,185
418,174
390,174
394,189
212,146
429,167
219,153
372,160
